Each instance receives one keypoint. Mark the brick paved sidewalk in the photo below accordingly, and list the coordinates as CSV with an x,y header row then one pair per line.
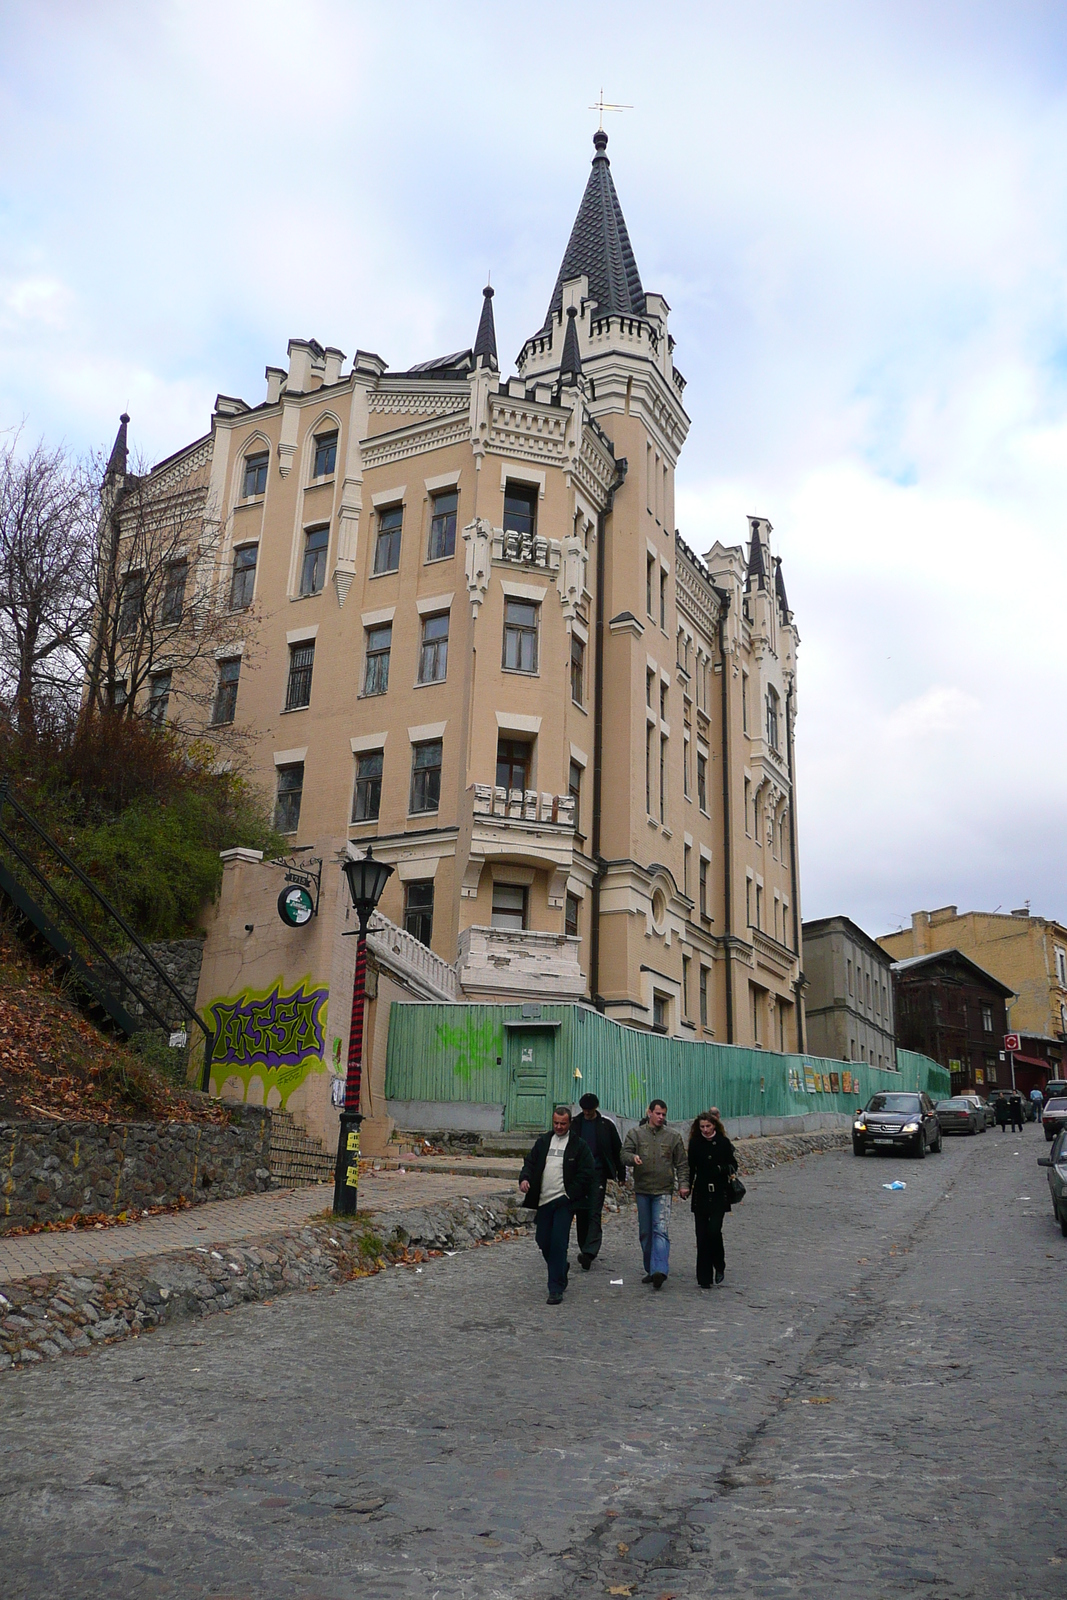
x,y
225,1222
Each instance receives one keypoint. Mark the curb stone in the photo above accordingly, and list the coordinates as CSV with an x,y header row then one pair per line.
x,y
65,1313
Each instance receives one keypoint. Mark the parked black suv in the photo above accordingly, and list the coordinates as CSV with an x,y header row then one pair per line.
x,y
897,1119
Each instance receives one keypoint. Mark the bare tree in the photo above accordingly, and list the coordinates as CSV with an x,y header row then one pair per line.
x,y
47,535
163,621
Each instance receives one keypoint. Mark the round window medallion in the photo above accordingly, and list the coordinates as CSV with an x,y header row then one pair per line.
x,y
659,908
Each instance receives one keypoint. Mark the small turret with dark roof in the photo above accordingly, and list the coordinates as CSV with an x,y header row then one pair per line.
x,y
570,370
116,466
756,567
485,342
779,591
599,248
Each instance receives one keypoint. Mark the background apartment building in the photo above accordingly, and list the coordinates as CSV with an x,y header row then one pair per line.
x,y
476,642
849,999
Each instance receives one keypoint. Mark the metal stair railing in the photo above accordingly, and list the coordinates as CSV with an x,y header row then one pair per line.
x,y
93,967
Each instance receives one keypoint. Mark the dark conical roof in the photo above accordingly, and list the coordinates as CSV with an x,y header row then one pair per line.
x,y
779,590
570,368
119,452
599,247
756,568
485,343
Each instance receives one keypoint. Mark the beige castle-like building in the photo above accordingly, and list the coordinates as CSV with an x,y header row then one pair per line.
x,y
481,646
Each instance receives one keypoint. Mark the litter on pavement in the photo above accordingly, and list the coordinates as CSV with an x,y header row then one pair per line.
x,y
896,1184
616,1283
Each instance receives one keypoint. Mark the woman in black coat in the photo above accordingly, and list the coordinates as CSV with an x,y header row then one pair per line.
x,y
712,1163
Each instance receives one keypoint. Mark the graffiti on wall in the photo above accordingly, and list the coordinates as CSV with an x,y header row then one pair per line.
x,y
275,1035
477,1045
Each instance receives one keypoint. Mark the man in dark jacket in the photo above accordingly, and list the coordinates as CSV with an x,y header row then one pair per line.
x,y
557,1177
605,1146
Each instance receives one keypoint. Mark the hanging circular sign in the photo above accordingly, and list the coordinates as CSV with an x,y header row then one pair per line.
x,y
295,906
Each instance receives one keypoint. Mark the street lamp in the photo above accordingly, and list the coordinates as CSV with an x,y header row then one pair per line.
x,y
366,880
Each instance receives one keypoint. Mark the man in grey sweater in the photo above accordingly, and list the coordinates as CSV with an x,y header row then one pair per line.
x,y
658,1157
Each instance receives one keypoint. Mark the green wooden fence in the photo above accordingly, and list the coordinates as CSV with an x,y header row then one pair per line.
x,y
442,1053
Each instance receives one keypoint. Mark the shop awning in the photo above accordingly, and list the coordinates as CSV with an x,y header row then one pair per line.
x,y
1050,1067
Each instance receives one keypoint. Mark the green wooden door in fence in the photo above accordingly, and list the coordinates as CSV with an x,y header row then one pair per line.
x,y
531,1060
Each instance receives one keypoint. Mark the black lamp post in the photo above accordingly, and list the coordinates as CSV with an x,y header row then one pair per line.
x,y
366,880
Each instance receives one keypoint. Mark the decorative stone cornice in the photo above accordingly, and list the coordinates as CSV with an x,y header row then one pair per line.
x,y
400,445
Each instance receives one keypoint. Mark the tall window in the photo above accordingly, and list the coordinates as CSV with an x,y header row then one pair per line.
x,y
659,1012
663,778
759,906
244,576
173,604
226,691
520,635
509,906
418,910
577,670
648,768
433,657
650,683
703,997
772,718
987,1019
702,782
571,919
130,602
650,570
426,776
443,525
301,666
254,481
703,888
367,800
313,571
379,645
387,547
520,509
512,763
287,804
325,455
663,600
685,986
744,702
1061,967
158,697
663,708
748,805
574,789
686,854
686,756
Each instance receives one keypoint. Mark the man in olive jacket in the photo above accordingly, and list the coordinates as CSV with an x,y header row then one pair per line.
x,y
658,1156
557,1177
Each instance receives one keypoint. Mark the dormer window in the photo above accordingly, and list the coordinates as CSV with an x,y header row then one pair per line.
x,y
325,455
255,475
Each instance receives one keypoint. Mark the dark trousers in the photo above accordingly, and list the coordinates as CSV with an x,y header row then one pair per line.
x,y
711,1256
590,1223
1016,1122
553,1233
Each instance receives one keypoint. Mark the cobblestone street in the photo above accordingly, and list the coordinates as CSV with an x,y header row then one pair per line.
x,y
872,1405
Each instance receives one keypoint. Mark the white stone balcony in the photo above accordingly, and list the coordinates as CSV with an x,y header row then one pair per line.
x,y
410,961
521,827
523,805
497,964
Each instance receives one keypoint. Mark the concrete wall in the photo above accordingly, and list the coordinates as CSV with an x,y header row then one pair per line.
x,y
56,1170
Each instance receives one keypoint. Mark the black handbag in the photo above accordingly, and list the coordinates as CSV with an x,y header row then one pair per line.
x,y
737,1190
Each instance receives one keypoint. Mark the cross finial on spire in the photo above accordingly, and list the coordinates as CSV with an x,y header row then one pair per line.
x,y
602,105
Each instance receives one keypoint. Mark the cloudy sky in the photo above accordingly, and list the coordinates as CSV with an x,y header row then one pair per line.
x,y
855,211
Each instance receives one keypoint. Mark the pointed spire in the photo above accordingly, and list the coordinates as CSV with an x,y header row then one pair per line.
x,y
779,591
570,368
599,248
485,343
756,568
116,466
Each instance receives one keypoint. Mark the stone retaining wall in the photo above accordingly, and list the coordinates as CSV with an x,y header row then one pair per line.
x,y
50,1171
181,960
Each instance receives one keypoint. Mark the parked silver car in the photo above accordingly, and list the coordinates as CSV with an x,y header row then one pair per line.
x,y
1056,1162
983,1106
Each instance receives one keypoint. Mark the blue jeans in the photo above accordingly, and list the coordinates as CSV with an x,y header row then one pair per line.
x,y
553,1234
654,1225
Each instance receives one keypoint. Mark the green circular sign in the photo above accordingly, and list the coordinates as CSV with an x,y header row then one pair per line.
x,y
295,905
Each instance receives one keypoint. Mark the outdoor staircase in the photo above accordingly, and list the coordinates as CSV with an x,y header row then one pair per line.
x,y
295,1157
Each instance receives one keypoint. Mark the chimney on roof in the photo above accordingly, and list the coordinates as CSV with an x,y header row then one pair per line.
x,y
334,362
1023,911
301,354
275,377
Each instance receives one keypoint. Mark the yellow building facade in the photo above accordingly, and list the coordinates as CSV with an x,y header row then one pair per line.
x,y
476,642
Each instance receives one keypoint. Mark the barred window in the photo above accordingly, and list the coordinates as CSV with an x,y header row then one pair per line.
x,y
301,666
